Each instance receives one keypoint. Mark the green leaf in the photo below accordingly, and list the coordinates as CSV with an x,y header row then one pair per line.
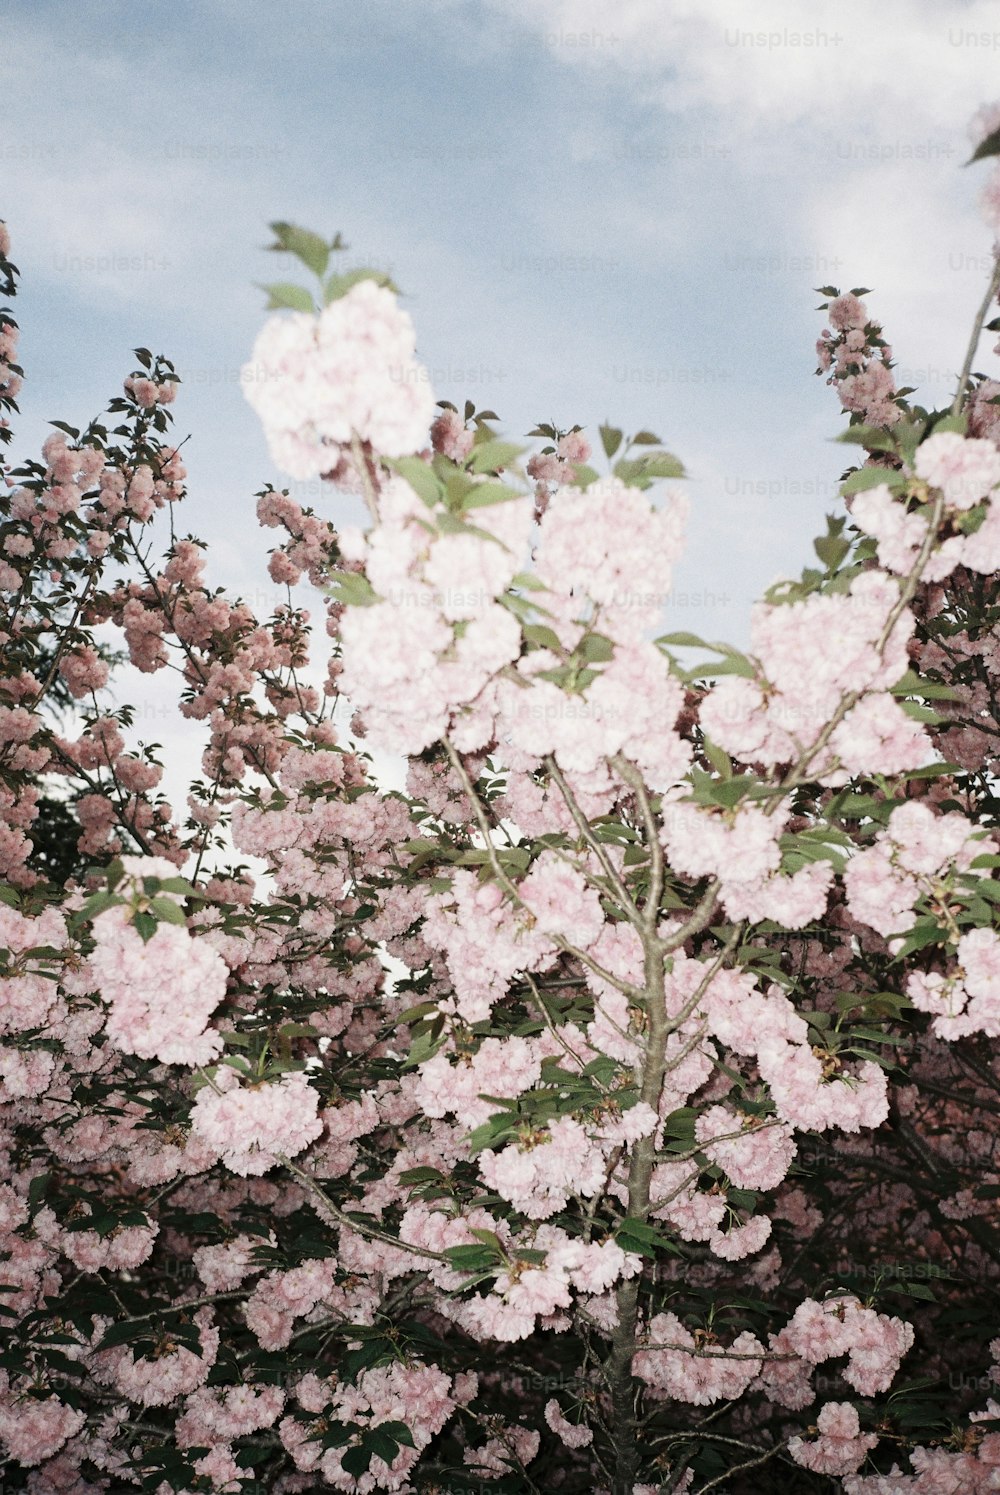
x,y
421,478
734,664
643,1239
611,440
872,438
337,286
485,495
490,456
168,912
989,146
682,641
99,903
911,684
596,649
639,472
145,926
356,1460
353,589
284,296
920,713
467,1259
543,637
719,759
584,475
926,931
308,247
872,477
949,422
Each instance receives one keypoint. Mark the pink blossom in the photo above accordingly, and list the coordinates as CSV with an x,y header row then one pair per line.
x,y
247,1125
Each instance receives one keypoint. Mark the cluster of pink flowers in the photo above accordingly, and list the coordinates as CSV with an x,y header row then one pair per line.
x,y
811,654
679,1365
752,1157
173,1371
809,1090
281,1297
317,382
437,634
741,848
33,1428
966,999
858,362
485,940
873,1342
421,1396
966,472
161,991
840,1448
247,1125
917,856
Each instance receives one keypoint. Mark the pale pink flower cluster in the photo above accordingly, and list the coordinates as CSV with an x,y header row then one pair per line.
x,y
421,1396
526,1292
513,1448
812,654
424,652
699,1215
873,1342
858,362
631,707
758,1157
501,1067
283,1296
968,1000
747,1021
34,1428
247,1125
485,940
83,670
939,1470
122,1249
786,1378
606,556
572,1434
437,1230
424,660
173,1372
740,1241
538,1177
450,436
317,381
224,1266
917,851
740,848
689,1372
28,998
219,1414
840,1448
161,992
966,471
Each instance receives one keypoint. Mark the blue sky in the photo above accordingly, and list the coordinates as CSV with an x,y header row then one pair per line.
x,y
596,209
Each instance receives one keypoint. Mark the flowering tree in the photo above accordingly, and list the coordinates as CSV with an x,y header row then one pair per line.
x,y
613,1110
